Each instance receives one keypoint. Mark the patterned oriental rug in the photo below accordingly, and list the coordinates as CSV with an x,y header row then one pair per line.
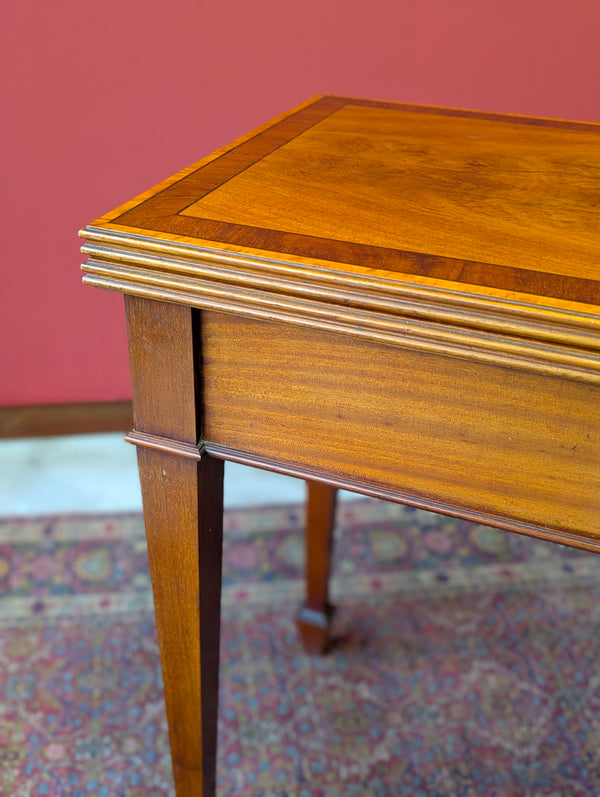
x,y
468,661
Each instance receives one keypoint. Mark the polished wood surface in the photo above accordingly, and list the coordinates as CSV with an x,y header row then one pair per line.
x,y
451,187
183,508
399,300
314,617
501,202
182,495
475,440
461,233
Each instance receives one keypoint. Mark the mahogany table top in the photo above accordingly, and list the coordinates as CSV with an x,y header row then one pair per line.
x,y
511,203
410,215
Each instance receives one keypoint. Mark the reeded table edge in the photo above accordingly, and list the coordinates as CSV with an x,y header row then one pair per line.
x,y
467,323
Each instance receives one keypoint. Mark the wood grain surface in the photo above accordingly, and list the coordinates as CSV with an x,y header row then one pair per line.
x,y
504,202
459,188
430,428
182,494
183,514
315,614
162,354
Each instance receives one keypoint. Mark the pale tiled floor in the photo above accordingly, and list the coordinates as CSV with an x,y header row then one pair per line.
x,y
98,473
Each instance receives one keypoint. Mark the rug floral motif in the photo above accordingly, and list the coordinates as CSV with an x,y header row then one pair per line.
x,y
467,661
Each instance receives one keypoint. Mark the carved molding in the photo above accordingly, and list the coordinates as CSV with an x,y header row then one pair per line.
x,y
463,324
166,445
563,536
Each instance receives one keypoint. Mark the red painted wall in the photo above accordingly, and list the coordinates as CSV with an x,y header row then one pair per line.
x,y
100,101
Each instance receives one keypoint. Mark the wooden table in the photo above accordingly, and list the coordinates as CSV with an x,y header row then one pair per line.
x,y
402,301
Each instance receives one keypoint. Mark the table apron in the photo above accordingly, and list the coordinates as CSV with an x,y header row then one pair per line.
x,y
465,437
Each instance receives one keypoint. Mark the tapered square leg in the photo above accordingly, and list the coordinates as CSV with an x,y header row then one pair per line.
x,y
182,491
183,513
315,615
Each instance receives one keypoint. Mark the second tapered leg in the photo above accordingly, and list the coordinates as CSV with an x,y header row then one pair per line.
x,y
315,615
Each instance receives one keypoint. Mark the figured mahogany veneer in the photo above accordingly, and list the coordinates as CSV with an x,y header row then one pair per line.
x,y
400,300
